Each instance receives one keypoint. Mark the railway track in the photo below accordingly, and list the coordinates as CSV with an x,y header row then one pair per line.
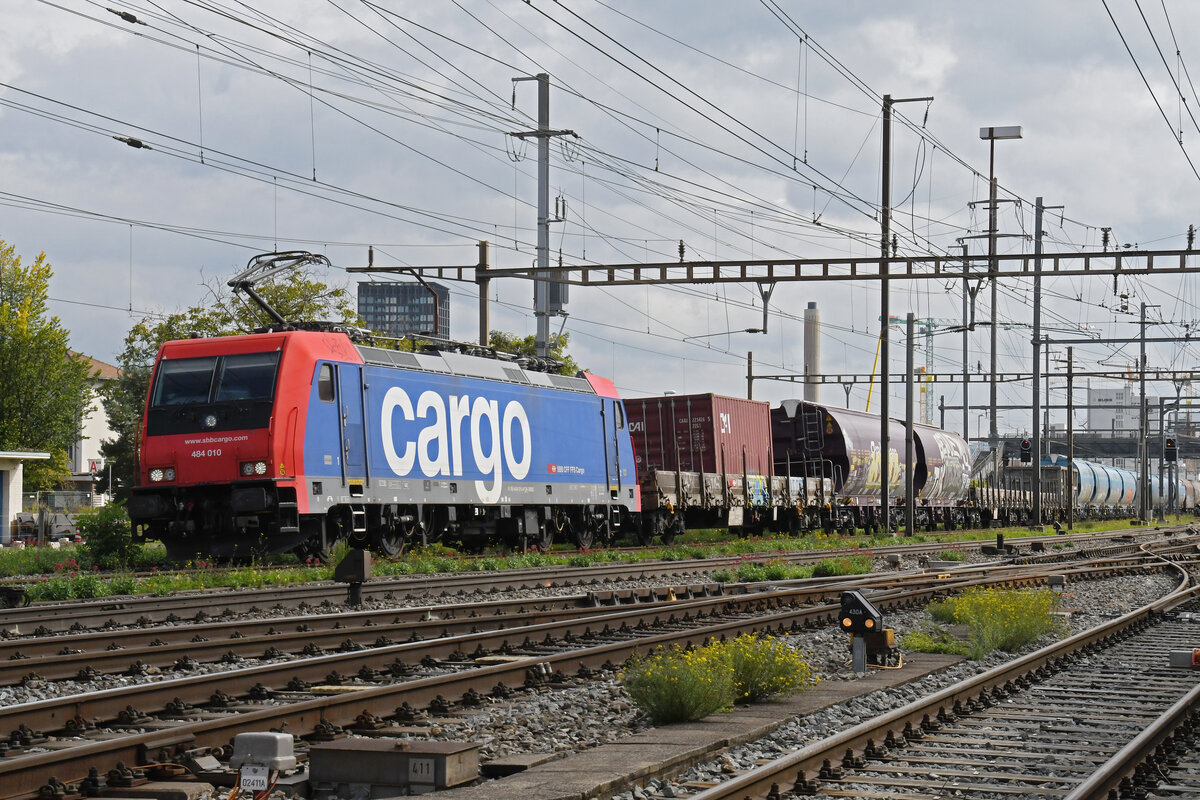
x,y
154,721
139,610
1071,720
149,648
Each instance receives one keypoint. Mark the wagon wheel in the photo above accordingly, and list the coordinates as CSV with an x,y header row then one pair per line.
x,y
672,529
648,528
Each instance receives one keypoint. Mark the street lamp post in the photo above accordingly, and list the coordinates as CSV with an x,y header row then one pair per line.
x,y
991,135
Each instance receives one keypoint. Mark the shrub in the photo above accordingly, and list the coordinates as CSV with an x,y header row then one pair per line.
x,y
752,572
723,576
952,555
765,667
680,685
108,535
998,619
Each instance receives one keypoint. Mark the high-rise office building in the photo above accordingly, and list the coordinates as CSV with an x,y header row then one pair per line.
x,y
397,309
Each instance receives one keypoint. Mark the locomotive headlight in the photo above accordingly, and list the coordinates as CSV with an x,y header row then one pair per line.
x,y
156,475
253,468
160,474
169,474
260,468
247,468
209,421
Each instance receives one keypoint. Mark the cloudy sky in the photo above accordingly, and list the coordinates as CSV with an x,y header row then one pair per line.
x,y
754,132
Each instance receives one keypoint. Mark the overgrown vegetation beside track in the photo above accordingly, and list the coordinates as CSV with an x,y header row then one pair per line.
x,y
987,620
676,685
106,565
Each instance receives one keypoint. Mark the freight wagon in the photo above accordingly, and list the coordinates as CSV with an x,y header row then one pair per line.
x,y
705,461
842,446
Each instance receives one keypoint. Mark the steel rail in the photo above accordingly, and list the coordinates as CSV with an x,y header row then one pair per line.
x,y
59,657
799,770
26,773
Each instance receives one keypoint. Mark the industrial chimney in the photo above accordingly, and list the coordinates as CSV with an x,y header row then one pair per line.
x,y
812,353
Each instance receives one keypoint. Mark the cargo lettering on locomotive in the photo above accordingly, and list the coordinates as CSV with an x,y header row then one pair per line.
x,y
445,458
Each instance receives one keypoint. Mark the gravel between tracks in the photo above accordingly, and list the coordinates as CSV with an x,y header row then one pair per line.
x,y
577,715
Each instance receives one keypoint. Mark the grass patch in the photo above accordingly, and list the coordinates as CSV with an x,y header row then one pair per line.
x,y
952,555
995,619
55,573
843,565
678,685
935,639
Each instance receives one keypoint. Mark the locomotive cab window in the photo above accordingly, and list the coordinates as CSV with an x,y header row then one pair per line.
x,y
619,414
325,383
249,376
215,379
213,393
183,381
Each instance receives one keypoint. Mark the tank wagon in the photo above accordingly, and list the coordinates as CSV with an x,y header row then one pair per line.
x,y
842,446
291,440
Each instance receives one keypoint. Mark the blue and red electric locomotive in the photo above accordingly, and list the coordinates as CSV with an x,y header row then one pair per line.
x,y
289,440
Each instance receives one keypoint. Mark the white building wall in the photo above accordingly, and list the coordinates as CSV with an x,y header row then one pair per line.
x,y
1114,418
12,475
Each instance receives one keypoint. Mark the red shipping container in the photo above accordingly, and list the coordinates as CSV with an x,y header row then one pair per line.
x,y
700,429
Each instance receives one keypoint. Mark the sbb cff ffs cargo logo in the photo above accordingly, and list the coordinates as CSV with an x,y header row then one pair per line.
x,y
438,449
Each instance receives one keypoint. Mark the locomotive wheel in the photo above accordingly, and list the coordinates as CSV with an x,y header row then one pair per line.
x,y
179,552
391,541
311,549
544,539
604,533
583,534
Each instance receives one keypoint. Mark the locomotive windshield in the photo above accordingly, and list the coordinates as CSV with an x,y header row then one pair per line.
x,y
213,393
191,381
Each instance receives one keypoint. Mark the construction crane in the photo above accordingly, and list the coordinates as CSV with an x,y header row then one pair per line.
x,y
926,326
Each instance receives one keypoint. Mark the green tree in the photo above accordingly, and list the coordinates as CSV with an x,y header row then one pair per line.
x,y
527,346
295,294
46,386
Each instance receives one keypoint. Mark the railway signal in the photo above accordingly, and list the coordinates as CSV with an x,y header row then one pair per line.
x,y
869,640
1170,453
1026,452
858,615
